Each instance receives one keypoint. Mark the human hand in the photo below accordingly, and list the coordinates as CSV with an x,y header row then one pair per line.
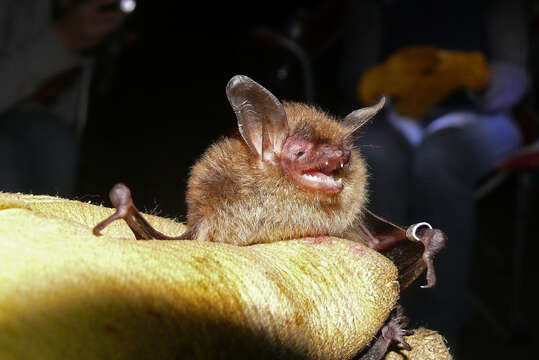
x,y
85,24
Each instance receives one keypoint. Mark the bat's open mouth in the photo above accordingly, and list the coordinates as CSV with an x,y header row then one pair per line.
x,y
325,177
318,168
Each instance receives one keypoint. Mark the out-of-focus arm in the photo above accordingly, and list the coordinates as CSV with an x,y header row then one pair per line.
x,y
25,66
507,32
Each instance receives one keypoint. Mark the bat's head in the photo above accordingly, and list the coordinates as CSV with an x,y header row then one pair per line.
x,y
313,150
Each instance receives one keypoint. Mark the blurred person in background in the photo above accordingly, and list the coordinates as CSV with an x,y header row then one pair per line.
x,y
45,72
454,72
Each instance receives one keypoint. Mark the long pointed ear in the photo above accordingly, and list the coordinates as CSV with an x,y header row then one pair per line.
x,y
261,117
356,119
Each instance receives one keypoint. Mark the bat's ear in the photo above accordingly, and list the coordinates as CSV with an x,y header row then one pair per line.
x,y
261,117
356,119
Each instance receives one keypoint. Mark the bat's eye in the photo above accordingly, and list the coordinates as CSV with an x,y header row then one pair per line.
x,y
300,153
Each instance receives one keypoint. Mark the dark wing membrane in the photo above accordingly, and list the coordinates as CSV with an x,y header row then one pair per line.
x,y
407,257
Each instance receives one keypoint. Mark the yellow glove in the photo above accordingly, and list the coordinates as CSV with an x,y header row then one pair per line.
x,y
67,294
417,78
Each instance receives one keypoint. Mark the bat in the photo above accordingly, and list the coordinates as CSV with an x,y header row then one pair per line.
x,y
292,172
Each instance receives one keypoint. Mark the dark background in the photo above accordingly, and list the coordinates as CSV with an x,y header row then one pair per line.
x,y
158,100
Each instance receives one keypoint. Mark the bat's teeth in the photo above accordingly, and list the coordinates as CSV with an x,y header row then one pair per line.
x,y
339,180
311,177
327,163
342,165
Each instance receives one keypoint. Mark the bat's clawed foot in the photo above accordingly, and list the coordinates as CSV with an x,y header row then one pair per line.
x,y
392,332
395,329
434,241
120,197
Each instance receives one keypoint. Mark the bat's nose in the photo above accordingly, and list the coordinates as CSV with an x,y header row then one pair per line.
x,y
346,155
334,158
342,155
335,151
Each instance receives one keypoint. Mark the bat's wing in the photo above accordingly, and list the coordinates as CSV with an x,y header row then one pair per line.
x,y
412,250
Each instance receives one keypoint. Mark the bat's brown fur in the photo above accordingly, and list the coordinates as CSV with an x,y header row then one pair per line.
x,y
233,197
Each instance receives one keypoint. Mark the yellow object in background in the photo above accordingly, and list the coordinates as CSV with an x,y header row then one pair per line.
x,y
417,78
